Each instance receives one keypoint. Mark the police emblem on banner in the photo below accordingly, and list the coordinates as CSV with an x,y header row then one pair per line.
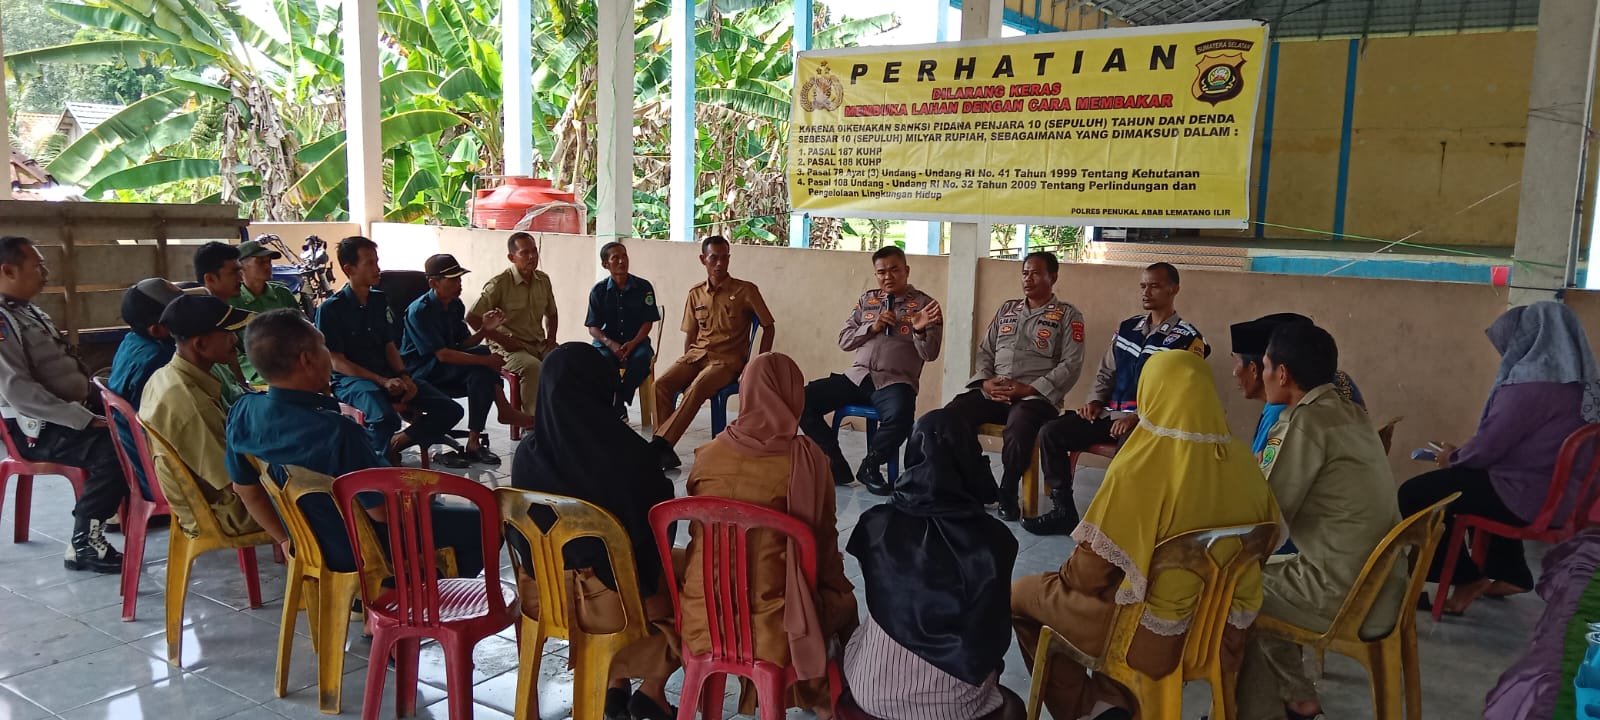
x,y
823,91
1220,77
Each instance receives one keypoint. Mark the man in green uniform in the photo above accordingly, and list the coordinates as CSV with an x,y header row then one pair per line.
x,y
259,294
1332,481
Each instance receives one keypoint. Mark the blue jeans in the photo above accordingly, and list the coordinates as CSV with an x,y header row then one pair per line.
x,y
434,413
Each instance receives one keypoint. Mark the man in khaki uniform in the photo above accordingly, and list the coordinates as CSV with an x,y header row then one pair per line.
x,y
716,345
1028,360
183,405
524,294
1332,481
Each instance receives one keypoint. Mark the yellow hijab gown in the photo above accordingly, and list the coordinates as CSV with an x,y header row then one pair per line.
x,y
1180,470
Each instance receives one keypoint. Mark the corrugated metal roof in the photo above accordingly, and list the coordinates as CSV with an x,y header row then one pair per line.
x,y
89,115
1331,18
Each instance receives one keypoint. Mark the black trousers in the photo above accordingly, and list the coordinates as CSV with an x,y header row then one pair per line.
x,y
91,449
896,405
1505,560
1063,436
1022,420
476,383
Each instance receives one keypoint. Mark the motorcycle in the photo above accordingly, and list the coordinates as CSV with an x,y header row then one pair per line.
x,y
311,278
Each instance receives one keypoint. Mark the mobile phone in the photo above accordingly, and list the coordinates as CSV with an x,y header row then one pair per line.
x,y
1427,454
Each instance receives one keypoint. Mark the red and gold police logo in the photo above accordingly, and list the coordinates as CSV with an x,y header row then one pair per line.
x,y
1042,344
1077,332
905,329
874,300
912,305
1006,329
1043,334
869,316
1220,70
824,91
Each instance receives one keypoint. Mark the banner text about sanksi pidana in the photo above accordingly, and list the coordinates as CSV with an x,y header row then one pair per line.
x,y
1136,127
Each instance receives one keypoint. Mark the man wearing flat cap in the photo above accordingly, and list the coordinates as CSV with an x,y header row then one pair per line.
x,y
259,294
184,413
442,351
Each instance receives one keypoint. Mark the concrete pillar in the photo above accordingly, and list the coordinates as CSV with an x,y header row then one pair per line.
x,y
1553,165
516,84
968,241
614,115
804,12
363,114
681,186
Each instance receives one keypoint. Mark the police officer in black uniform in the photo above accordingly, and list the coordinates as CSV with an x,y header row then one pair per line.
x,y
49,407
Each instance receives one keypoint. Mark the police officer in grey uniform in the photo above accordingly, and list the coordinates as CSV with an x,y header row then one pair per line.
x,y
45,399
1027,362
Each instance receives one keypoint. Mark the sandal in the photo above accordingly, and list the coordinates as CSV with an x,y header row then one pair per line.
x,y
483,455
453,460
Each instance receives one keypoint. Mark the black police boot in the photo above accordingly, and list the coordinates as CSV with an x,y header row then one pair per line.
x,y
870,476
89,549
1009,509
841,472
1060,520
616,707
668,457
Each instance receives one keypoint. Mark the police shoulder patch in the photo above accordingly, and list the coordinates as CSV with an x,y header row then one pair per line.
x,y
650,298
5,329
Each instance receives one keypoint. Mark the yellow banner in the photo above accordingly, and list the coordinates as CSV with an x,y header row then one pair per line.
x,y
1129,127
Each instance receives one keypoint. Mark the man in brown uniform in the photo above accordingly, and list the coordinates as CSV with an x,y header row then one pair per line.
x,y
523,292
716,344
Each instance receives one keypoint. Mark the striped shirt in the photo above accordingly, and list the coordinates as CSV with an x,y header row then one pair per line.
x,y
889,682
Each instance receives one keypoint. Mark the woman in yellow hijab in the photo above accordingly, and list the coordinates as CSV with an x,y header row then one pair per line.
x,y
1179,471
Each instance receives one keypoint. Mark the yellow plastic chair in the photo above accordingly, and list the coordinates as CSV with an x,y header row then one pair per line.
x,y
182,549
1030,477
1217,556
325,594
591,654
1391,660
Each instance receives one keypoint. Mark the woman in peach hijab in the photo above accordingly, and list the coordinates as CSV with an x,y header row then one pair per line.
x,y
761,459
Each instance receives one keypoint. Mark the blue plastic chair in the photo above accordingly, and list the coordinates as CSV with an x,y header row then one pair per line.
x,y
719,401
870,414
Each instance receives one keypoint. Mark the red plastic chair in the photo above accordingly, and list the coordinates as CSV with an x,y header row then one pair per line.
x,y
457,613
724,527
1546,527
137,511
14,464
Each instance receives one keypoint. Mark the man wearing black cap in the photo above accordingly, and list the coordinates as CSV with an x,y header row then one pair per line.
x,y
1250,340
440,350
48,408
368,373
184,409
259,294
145,349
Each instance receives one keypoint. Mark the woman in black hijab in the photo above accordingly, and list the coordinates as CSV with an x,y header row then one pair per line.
x,y
937,570
580,448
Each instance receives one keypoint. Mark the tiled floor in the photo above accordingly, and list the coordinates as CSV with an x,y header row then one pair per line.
x,y
64,651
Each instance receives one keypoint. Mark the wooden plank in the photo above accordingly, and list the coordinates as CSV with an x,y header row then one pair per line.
x,y
69,280
118,212
98,308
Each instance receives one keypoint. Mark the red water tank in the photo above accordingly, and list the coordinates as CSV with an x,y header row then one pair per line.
x,y
502,208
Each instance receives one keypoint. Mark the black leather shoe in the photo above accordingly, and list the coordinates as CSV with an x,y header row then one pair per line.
x,y
870,476
616,707
669,457
1009,509
641,707
1061,519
